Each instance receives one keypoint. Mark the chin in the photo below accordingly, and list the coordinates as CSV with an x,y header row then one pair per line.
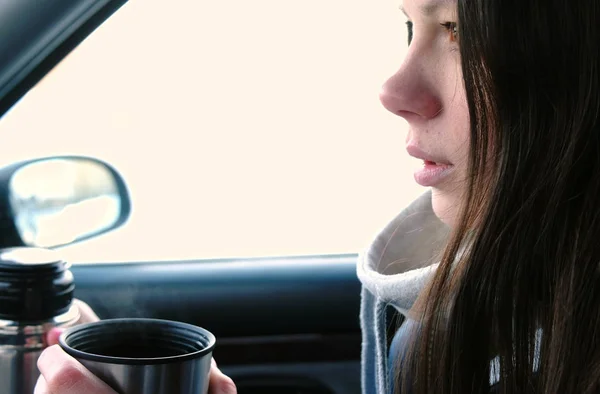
x,y
446,206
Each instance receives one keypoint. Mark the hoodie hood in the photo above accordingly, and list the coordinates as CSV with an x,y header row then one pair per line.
x,y
393,271
404,255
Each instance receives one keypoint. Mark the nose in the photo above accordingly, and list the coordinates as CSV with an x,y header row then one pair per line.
x,y
410,93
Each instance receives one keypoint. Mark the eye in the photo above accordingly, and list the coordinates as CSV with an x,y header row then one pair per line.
x,y
452,28
409,28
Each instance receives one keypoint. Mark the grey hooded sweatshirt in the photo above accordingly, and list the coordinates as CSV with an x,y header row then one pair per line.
x,y
393,270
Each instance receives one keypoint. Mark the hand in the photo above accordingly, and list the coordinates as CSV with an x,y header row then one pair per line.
x,y
62,374
86,314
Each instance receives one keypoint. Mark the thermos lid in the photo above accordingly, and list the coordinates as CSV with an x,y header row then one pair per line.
x,y
35,284
27,259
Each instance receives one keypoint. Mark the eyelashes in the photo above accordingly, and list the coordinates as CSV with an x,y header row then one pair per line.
x,y
451,27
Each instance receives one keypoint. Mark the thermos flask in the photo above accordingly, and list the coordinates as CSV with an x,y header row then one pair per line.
x,y
36,294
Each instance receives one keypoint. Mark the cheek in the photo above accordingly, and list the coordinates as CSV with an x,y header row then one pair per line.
x,y
454,120
460,138
448,198
457,119
456,101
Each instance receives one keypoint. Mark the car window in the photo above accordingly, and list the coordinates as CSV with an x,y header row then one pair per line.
x,y
242,129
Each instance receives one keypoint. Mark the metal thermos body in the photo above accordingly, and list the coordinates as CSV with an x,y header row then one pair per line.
x,y
36,295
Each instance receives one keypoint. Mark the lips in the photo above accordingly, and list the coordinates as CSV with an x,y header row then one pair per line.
x,y
417,153
435,169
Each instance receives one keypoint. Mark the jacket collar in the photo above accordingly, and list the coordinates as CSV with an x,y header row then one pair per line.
x,y
403,256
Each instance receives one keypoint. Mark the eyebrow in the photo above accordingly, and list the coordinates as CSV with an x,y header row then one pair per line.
x,y
430,7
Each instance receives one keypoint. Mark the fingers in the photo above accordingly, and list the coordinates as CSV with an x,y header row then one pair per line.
x,y
53,335
62,374
220,383
87,314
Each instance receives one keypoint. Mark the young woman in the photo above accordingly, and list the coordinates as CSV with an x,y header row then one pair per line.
x,y
496,270
503,102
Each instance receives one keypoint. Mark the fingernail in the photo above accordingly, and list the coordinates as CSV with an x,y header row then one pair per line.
x,y
53,335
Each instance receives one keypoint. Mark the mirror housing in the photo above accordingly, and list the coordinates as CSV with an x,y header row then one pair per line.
x,y
56,201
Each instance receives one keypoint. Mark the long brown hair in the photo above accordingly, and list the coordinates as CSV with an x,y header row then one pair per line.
x,y
525,256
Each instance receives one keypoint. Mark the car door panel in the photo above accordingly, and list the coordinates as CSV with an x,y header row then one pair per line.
x,y
285,325
282,324
305,378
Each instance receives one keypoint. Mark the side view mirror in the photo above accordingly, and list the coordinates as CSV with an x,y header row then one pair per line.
x,y
56,201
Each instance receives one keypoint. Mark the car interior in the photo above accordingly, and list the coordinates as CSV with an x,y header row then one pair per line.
x,y
286,325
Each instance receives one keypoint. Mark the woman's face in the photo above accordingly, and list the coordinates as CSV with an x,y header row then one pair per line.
x,y
428,92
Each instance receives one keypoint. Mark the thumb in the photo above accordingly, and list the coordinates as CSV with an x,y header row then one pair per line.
x,y
53,334
219,383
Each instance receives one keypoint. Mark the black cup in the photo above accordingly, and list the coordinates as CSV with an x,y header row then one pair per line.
x,y
144,356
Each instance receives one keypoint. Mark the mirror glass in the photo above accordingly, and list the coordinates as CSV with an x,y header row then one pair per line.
x,y
58,201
